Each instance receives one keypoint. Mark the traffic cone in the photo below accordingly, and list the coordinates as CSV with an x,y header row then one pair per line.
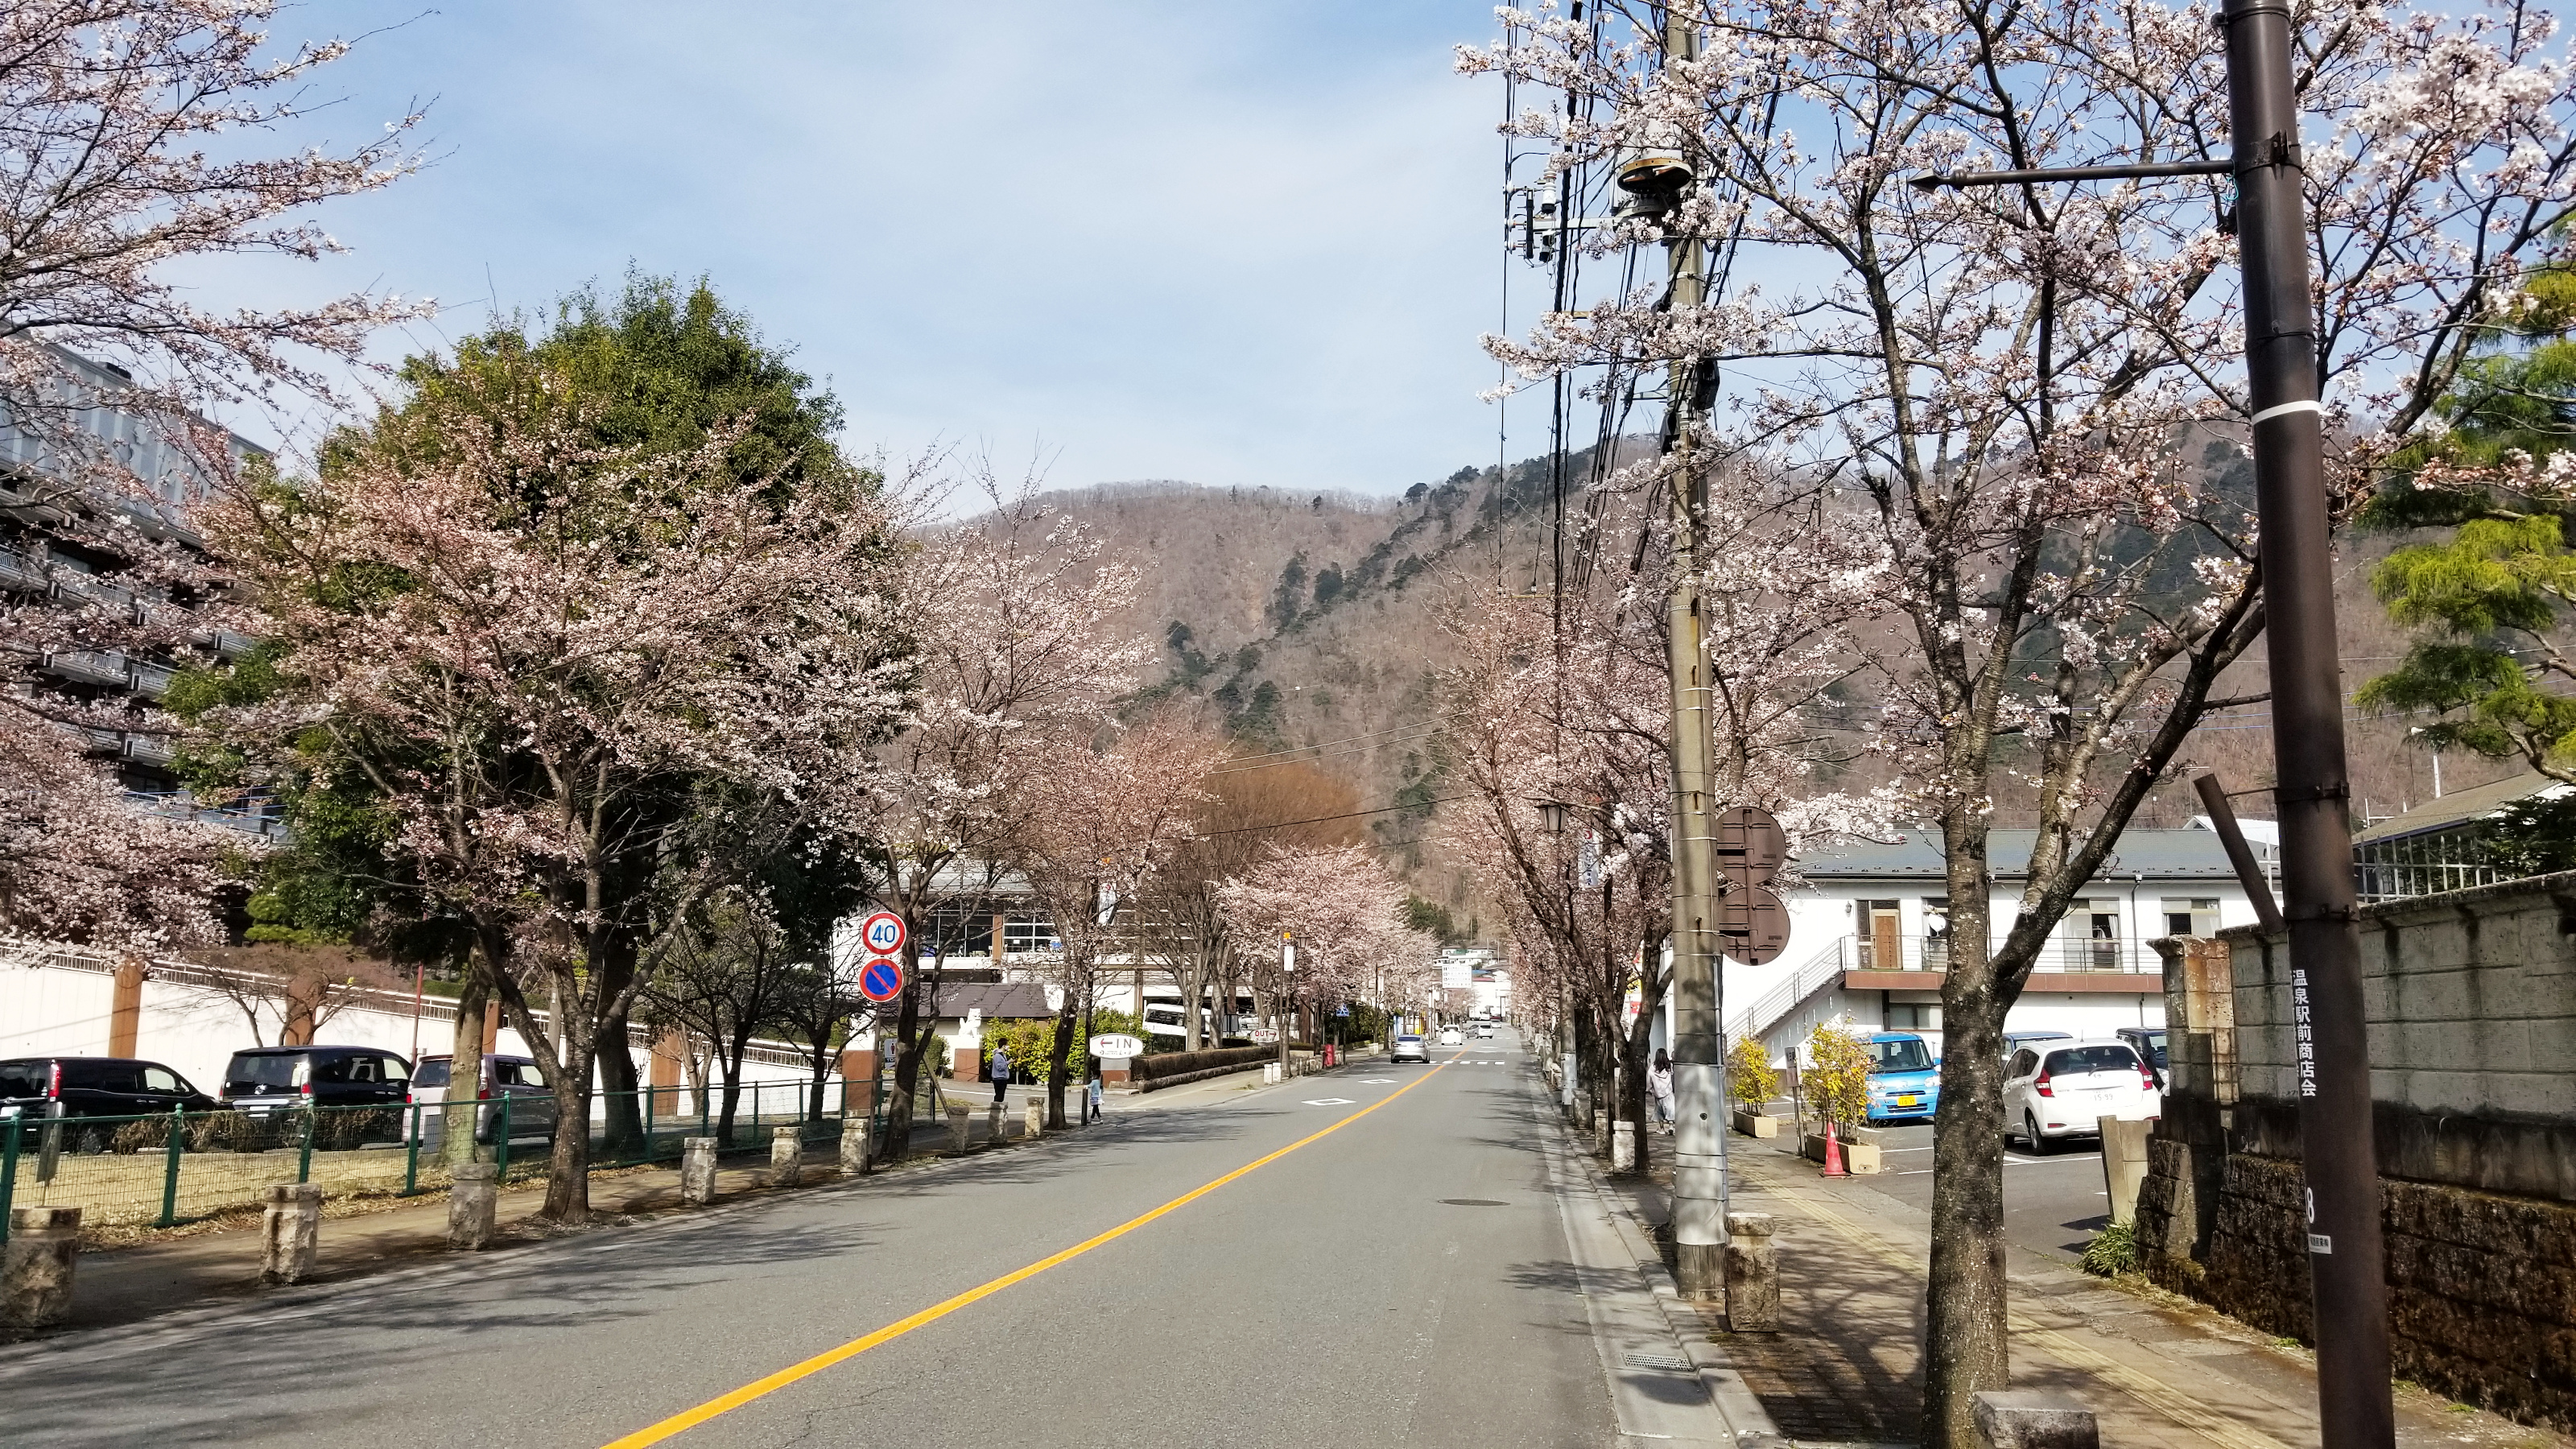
x,y
1833,1152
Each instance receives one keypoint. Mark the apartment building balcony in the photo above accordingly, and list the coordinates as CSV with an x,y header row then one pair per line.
x,y
1916,963
150,749
90,666
180,805
20,570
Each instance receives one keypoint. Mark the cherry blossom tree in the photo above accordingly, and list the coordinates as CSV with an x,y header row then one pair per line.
x,y
1013,649
2010,386
113,117
1097,815
528,641
1567,702
1343,911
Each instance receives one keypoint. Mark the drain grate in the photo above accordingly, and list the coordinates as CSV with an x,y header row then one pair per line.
x,y
1475,1202
1656,1361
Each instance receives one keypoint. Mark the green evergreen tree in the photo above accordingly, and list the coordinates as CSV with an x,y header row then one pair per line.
x,y
2487,601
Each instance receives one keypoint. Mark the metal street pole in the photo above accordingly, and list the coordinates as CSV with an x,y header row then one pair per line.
x,y
1699,1149
2345,1257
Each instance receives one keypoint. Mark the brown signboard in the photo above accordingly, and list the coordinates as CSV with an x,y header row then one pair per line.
x,y
1752,921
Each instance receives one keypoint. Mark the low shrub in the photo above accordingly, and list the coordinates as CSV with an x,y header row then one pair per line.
x,y
2113,1251
152,1134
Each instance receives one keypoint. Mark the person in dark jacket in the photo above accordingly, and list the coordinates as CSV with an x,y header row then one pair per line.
x,y
999,1071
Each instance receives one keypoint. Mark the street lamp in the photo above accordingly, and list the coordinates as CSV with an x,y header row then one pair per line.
x,y
1551,816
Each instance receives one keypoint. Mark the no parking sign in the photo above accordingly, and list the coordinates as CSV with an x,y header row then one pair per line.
x,y
881,980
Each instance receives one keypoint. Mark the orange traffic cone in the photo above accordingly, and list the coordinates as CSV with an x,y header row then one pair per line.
x,y
1833,1152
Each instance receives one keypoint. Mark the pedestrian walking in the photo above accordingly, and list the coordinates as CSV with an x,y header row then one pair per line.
x,y
1000,1072
1659,1079
1091,1098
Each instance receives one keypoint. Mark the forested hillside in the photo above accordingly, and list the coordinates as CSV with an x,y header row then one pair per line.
x,y
1309,626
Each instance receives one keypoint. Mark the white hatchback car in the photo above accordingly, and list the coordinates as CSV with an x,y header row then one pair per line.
x,y
1453,1037
2057,1089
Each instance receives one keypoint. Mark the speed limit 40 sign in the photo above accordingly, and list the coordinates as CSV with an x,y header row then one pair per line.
x,y
882,933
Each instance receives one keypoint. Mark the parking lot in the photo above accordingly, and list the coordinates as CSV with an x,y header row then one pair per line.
x,y
2052,1204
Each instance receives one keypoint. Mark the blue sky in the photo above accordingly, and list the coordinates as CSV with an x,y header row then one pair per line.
x,y
1228,243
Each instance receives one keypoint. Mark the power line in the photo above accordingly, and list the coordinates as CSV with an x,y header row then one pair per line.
x,y
1346,815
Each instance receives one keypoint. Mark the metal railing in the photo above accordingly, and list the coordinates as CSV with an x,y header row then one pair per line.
x,y
1814,974
167,1168
2082,954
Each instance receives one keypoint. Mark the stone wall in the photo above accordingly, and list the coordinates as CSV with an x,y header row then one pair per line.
x,y
2471,1000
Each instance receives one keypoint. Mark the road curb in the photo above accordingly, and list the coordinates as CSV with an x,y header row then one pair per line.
x,y
1747,1423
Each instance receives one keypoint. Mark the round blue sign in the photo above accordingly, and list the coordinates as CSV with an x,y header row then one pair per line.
x,y
881,979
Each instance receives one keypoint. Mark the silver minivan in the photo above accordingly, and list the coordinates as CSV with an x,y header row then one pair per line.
x,y
532,1106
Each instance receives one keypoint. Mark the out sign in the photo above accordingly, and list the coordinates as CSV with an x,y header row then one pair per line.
x,y
882,933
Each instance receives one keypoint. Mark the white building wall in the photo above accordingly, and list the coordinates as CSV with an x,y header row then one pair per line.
x,y
48,1010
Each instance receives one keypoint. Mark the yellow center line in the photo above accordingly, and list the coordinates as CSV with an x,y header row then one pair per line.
x,y
760,1388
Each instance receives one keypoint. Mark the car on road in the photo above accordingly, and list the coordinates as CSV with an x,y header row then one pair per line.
x,y
2053,1091
94,1087
1453,1037
1904,1078
1484,1031
1409,1049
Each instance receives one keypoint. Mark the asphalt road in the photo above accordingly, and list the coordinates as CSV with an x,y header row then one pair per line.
x,y
1405,1280
2052,1204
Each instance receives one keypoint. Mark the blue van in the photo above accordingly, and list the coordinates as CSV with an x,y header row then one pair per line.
x,y
1904,1078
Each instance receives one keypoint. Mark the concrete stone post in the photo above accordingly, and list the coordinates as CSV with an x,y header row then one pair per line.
x,y
36,1271
2028,1419
2124,1164
1623,1147
697,1170
290,1232
786,1156
1752,1274
473,1207
958,1127
854,1146
993,1125
1036,1126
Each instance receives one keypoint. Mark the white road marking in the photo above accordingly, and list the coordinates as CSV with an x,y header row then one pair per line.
x,y
1377,1081
1330,1102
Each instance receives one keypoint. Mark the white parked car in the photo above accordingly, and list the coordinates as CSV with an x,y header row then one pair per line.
x,y
2054,1090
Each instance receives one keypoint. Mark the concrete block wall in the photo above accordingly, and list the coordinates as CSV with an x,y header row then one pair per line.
x,y
2471,1001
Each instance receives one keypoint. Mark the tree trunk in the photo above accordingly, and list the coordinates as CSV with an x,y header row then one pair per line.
x,y
612,1048
731,1062
465,1065
1059,1061
907,1069
622,1133
1965,1350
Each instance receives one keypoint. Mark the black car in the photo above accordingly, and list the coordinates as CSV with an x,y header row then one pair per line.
x,y
325,1076
94,1087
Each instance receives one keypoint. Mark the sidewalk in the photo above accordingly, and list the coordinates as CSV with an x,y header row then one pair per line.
x,y
216,1264
2158,1372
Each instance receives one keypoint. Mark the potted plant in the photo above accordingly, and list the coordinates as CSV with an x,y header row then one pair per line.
x,y
1837,1082
1752,1083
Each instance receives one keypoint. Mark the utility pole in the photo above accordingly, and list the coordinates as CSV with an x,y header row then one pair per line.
x,y
1699,1144
2346,1257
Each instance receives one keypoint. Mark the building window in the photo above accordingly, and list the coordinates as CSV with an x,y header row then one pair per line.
x,y
1027,935
1914,1016
2193,916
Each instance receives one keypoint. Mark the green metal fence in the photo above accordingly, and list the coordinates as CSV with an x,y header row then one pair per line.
x,y
176,1167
